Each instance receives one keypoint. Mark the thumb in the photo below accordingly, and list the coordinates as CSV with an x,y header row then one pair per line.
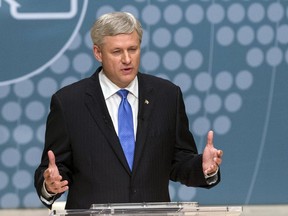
x,y
210,138
51,157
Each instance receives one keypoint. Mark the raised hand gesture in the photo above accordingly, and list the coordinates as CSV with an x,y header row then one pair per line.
x,y
53,180
212,157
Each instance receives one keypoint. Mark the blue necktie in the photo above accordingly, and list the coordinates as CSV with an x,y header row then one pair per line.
x,y
125,127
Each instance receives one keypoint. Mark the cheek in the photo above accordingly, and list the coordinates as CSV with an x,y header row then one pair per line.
x,y
136,58
110,61
111,65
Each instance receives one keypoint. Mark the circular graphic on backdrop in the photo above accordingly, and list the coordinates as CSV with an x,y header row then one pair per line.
x,y
45,24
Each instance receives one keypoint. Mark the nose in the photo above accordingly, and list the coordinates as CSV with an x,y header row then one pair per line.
x,y
126,59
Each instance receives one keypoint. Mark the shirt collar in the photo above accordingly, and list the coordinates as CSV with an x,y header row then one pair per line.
x,y
109,88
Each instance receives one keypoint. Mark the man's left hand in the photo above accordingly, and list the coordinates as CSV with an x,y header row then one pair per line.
x,y
212,157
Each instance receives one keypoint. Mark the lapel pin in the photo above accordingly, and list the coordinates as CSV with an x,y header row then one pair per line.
x,y
146,102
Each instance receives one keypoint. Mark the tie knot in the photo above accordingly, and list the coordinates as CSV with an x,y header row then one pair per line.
x,y
123,93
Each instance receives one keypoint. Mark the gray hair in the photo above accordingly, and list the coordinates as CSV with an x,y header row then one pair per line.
x,y
114,23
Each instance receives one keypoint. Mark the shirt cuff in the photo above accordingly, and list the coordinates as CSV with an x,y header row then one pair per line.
x,y
46,195
212,177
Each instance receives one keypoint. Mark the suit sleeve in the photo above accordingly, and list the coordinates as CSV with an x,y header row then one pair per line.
x,y
57,140
187,163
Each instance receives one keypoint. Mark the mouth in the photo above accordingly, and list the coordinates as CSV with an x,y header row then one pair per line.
x,y
127,70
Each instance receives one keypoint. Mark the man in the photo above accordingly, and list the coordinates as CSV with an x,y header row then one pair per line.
x,y
83,144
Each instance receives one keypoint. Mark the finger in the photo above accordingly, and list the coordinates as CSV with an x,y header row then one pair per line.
x,y
218,161
220,153
210,138
51,157
57,184
63,183
62,189
210,170
57,187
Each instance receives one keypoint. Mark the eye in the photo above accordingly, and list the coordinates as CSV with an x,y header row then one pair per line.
x,y
116,52
133,49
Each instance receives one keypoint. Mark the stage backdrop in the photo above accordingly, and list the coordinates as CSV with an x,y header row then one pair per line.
x,y
230,59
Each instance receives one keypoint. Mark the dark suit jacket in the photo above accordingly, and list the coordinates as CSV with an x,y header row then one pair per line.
x,y
89,155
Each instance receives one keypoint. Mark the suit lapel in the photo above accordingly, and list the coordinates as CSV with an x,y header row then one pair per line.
x,y
146,104
96,105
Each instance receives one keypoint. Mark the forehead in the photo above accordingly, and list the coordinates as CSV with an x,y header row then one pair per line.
x,y
122,40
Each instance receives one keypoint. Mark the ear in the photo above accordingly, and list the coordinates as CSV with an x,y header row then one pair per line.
x,y
97,53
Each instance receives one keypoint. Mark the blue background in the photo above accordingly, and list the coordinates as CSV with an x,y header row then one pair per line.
x,y
230,59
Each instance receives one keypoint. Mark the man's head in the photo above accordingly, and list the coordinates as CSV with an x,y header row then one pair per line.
x,y
117,37
115,23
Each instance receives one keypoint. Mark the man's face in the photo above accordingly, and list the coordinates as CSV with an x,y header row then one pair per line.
x,y
120,57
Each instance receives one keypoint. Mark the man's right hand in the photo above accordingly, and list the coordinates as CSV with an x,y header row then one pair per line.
x,y
53,180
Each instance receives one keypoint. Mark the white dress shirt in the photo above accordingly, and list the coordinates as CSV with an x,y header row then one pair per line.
x,y
113,100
